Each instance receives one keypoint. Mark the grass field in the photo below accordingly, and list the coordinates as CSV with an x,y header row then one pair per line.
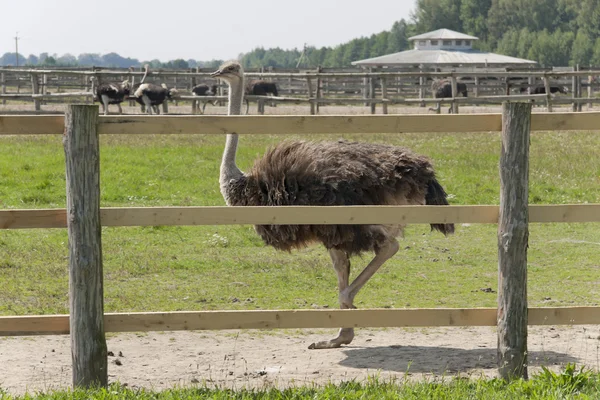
x,y
227,267
571,383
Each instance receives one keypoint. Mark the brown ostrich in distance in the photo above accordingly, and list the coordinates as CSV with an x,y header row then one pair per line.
x,y
328,174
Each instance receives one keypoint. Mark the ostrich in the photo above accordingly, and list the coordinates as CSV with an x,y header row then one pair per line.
x,y
442,88
260,88
542,90
204,90
328,174
112,93
151,96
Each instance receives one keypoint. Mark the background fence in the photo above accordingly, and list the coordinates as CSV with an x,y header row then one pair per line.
x,y
319,86
83,217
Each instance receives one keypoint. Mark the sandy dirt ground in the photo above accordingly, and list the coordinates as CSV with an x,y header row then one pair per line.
x,y
258,359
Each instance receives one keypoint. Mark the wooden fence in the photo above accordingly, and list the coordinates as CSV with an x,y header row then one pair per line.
x,y
83,218
321,87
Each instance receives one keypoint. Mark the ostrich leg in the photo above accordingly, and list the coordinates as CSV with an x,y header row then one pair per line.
x,y
341,264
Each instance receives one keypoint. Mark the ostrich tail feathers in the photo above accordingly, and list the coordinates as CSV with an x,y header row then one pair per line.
x,y
436,196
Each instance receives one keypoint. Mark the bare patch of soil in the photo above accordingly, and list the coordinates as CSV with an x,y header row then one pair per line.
x,y
256,359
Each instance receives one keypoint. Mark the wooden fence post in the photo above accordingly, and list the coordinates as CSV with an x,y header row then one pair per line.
x,y
310,95
384,92
454,95
548,94
574,89
35,89
318,94
88,343
513,233
590,90
195,105
372,104
3,83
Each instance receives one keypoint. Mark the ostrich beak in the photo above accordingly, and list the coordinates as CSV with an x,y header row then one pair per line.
x,y
217,73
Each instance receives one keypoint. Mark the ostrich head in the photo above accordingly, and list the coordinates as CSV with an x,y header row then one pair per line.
x,y
231,72
564,89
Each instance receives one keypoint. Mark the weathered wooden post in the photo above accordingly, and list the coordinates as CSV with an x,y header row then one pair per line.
x,y
86,299
384,92
310,95
3,83
372,92
454,94
194,103
513,234
318,94
574,89
590,90
35,89
548,94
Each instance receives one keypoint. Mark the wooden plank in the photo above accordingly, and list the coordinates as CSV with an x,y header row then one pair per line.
x,y
32,125
295,319
279,124
154,216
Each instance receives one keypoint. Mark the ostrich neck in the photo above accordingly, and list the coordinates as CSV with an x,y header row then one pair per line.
x,y
229,169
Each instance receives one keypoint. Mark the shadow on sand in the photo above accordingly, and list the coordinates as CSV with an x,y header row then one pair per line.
x,y
438,360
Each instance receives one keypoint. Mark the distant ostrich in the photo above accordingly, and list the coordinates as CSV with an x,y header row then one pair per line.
x,y
151,96
112,93
328,174
260,88
542,90
442,88
204,90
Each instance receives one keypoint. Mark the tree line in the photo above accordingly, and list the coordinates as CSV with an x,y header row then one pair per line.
x,y
110,60
551,32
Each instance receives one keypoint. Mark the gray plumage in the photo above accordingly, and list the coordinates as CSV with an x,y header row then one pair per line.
x,y
329,174
336,174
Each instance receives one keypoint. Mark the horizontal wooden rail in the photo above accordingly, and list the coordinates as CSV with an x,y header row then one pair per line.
x,y
279,124
296,319
297,215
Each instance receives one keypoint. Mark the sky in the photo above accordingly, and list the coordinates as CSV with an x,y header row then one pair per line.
x,y
200,29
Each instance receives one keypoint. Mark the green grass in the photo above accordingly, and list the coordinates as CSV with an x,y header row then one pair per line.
x,y
571,383
228,267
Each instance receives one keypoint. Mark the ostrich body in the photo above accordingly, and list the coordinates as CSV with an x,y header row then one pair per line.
x,y
260,88
442,88
112,93
542,90
204,90
328,174
151,96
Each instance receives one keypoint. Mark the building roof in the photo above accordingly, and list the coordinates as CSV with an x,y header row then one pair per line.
x,y
443,34
438,56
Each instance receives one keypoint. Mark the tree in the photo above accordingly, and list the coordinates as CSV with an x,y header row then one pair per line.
x,y
430,15
473,14
583,49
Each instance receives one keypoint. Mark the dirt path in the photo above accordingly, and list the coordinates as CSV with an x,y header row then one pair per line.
x,y
257,359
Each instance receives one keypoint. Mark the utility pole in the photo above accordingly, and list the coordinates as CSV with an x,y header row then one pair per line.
x,y
17,47
302,56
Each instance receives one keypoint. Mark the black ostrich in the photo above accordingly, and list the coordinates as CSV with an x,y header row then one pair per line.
x,y
260,88
442,88
204,90
329,174
112,93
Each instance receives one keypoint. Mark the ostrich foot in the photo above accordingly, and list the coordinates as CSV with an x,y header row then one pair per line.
x,y
344,337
